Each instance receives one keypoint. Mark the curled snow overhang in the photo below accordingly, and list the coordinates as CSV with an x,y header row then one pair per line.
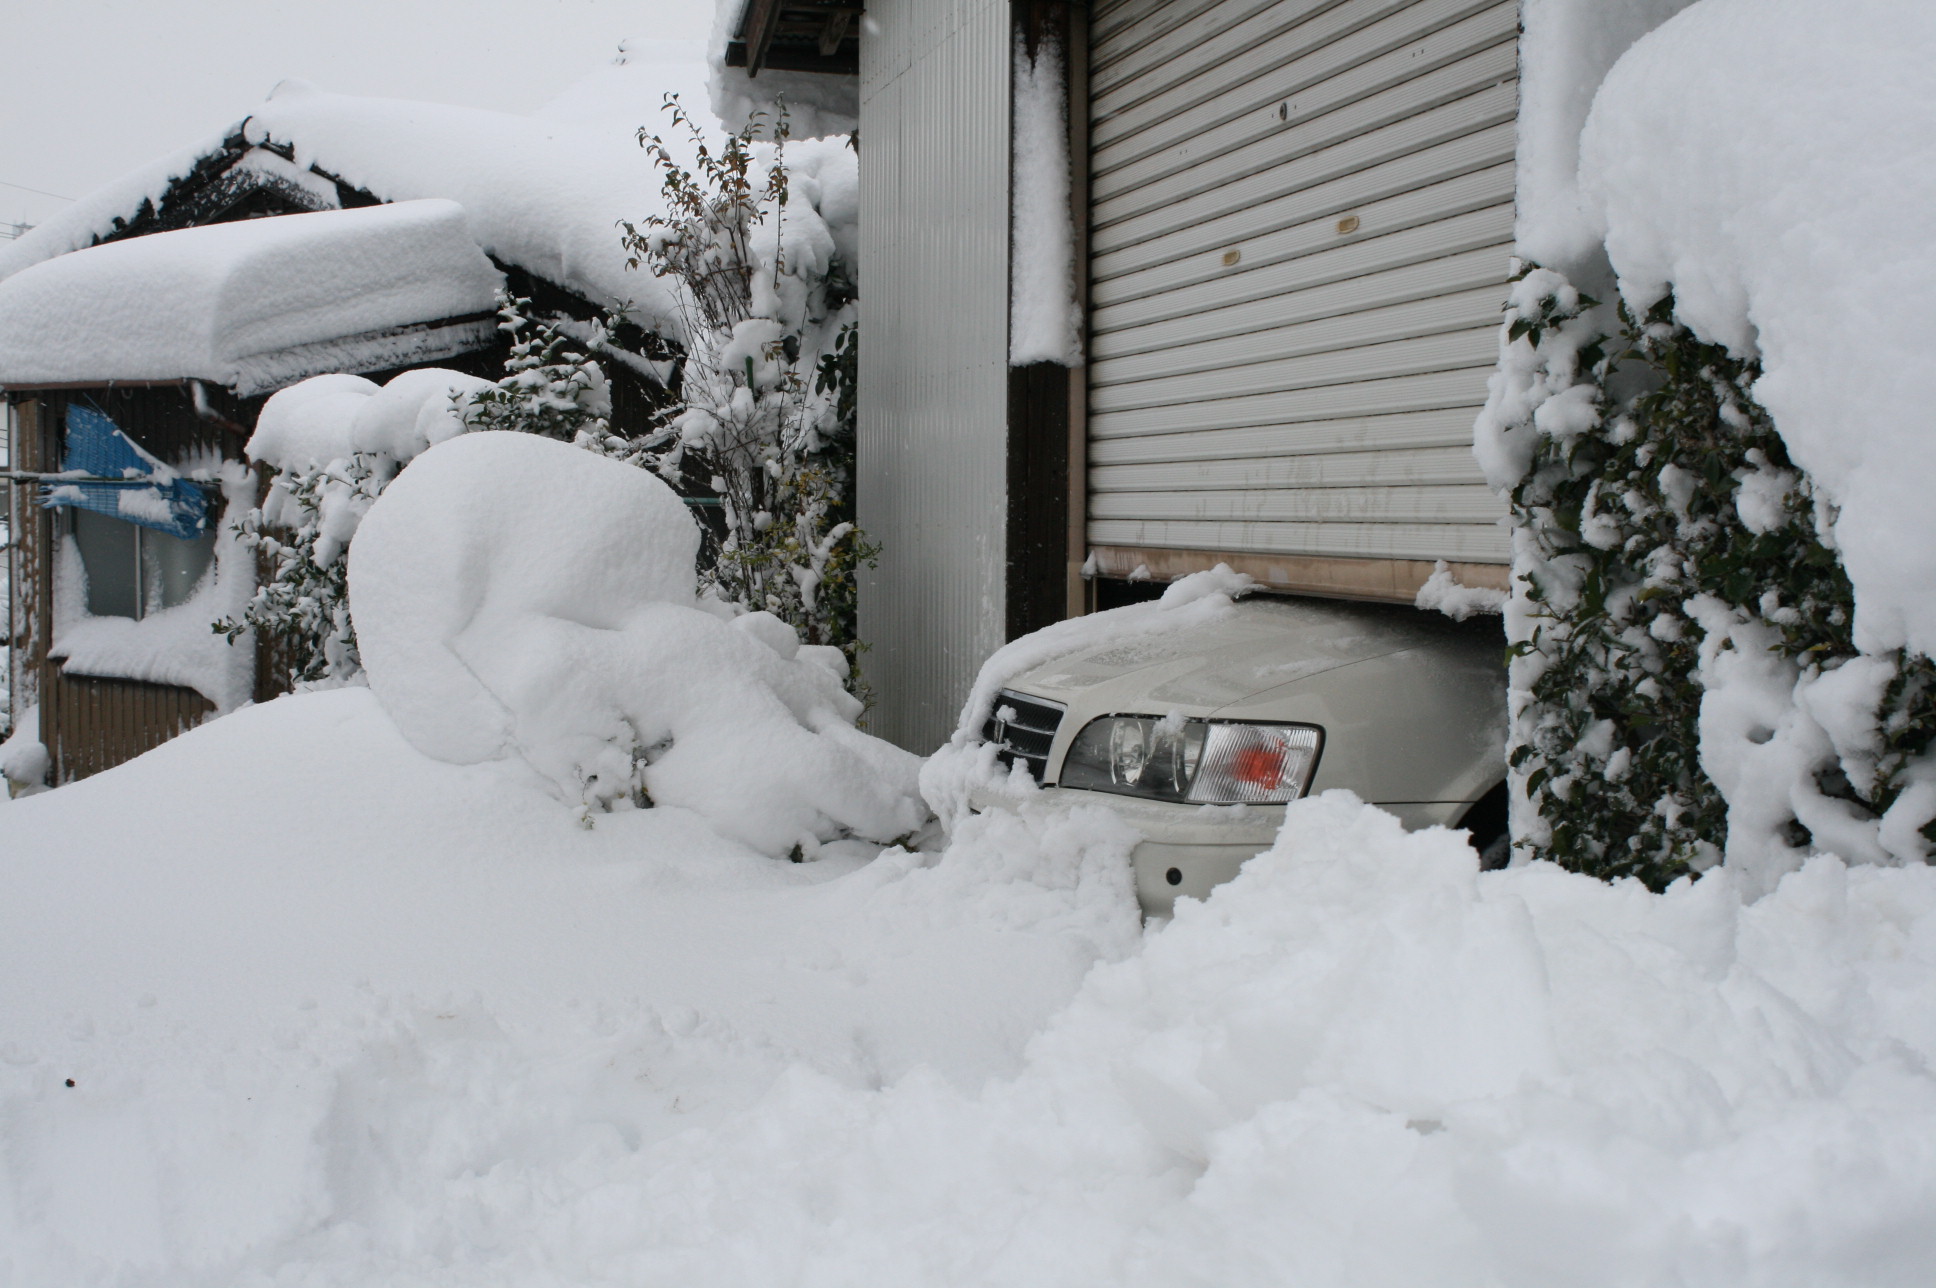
x,y
254,305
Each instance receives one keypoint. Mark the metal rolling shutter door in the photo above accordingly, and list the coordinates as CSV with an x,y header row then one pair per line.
x,y
1301,217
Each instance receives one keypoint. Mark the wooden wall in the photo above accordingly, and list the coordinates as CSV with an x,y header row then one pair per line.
x,y
90,723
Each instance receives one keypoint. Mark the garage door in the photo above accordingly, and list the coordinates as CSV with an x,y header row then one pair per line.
x,y
1301,217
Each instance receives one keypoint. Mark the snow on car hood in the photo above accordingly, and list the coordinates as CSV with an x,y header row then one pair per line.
x,y
1263,645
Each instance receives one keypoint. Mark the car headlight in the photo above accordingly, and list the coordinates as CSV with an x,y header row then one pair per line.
x,y
1204,762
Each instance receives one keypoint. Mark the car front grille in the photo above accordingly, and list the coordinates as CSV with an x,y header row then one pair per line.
x,y
1024,728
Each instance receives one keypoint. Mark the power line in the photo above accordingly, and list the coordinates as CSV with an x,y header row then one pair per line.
x,y
40,191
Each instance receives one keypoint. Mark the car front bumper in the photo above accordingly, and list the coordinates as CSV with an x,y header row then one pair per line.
x,y
1192,849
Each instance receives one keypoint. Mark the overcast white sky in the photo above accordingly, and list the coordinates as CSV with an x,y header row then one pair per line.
x,y
93,88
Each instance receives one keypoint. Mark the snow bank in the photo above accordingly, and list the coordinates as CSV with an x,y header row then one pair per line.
x,y
330,1007
1731,158
447,1036
1364,1063
225,302
514,596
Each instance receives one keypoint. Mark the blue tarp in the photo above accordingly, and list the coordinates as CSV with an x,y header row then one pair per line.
x,y
97,448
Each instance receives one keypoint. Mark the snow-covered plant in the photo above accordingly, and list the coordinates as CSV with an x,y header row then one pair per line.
x,y
300,534
551,385
1685,677
766,408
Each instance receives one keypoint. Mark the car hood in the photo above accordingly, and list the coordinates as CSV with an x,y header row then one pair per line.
x,y
1264,645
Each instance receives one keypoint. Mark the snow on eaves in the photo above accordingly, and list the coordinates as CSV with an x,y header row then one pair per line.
x,y
243,303
817,105
544,193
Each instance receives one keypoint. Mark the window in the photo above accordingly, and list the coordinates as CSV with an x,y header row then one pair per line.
x,y
134,571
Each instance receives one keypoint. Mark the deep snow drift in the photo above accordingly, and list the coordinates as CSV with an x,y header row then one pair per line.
x,y
338,1013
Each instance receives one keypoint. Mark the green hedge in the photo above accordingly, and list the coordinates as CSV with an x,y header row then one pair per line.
x,y
1664,500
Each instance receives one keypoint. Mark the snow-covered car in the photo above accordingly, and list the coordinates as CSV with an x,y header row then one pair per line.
x,y
1200,737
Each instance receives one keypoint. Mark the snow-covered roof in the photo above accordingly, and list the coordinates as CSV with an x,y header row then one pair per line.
x,y
254,304
543,192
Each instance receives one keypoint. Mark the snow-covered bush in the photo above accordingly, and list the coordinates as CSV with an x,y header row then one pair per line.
x,y
1686,676
334,442
333,454
551,385
767,393
518,598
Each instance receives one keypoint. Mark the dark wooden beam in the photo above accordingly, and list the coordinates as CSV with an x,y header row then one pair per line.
x,y
757,29
794,58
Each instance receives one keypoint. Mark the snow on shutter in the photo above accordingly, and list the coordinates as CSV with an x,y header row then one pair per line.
x,y
1301,217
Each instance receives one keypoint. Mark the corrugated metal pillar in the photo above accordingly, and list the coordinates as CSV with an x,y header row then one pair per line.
x,y
933,370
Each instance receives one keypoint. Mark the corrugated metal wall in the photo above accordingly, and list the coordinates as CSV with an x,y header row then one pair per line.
x,y
933,368
1301,216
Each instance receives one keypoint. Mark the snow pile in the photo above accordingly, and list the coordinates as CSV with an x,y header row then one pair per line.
x,y
1443,593
173,645
1727,159
227,302
286,993
447,1036
1364,1063
334,417
515,596
24,761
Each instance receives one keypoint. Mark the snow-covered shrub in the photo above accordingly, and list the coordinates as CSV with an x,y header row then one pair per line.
x,y
767,393
334,442
551,385
1685,674
333,454
517,598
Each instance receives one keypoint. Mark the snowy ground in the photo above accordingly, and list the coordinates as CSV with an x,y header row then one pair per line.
x,y
413,1023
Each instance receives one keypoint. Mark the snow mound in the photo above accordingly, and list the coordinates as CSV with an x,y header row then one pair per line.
x,y
1444,593
217,302
514,596
447,1037
332,417
1727,158
1364,1063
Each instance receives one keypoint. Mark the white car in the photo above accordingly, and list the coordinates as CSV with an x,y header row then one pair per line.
x,y
1200,737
